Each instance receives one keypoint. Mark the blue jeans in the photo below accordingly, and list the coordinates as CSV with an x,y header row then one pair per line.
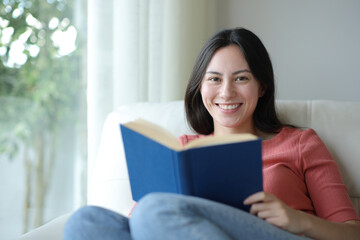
x,y
170,216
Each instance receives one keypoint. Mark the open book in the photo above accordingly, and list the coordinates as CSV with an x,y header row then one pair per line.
x,y
225,169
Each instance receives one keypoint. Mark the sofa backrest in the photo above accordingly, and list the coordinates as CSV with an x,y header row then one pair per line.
x,y
335,122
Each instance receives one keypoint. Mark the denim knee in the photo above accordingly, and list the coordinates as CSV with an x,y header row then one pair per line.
x,y
87,213
79,216
76,222
154,204
93,222
151,214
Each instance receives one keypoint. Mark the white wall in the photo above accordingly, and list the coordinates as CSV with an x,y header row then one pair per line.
x,y
314,45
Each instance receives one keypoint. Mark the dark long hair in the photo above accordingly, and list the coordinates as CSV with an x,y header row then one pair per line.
x,y
257,57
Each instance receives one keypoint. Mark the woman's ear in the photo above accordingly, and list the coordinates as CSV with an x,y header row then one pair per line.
x,y
262,91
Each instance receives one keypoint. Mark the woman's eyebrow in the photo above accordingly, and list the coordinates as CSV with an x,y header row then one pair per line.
x,y
241,71
214,72
234,73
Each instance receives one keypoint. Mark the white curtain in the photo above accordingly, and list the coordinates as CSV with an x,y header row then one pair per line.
x,y
141,50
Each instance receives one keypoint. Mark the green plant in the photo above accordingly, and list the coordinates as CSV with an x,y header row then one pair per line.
x,y
38,90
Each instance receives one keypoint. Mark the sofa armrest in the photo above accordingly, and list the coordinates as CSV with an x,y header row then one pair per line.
x,y
52,230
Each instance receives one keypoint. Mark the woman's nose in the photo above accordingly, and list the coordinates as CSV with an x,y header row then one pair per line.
x,y
227,90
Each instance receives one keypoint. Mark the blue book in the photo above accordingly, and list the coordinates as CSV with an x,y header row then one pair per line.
x,y
225,169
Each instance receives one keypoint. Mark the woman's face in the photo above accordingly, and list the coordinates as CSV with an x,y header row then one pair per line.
x,y
230,92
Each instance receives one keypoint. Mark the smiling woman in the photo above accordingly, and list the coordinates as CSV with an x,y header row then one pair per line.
x,y
299,174
253,65
230,92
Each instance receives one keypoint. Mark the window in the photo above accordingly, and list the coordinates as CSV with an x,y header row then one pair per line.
x,y
42,111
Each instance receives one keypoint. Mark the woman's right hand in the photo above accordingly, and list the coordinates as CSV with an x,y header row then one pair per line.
x,y
272,210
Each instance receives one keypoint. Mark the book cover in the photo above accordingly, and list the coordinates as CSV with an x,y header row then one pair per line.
x,y
225,172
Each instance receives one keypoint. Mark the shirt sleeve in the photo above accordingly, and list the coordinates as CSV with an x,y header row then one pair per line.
x,y
326,189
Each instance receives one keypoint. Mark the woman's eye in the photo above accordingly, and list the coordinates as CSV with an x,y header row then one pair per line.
x,y
214,79
242,78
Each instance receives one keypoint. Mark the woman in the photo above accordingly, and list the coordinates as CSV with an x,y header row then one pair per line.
x,y
231,90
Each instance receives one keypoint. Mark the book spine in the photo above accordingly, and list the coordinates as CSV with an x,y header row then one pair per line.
x,y
183,175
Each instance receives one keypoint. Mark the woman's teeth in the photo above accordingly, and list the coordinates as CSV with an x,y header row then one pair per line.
x,y
229,107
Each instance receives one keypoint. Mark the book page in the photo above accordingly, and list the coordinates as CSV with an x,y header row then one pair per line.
x,y
166,138
155,132
217,140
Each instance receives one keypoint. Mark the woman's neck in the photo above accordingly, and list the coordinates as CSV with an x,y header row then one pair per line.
x,y
221,130
252,130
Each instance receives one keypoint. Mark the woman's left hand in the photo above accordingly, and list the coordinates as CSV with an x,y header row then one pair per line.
x,y
269,208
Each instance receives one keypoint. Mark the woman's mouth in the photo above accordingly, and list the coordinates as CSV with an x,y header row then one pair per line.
x,y
229,106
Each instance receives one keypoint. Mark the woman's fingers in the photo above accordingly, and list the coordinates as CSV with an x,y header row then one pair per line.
x,y
269,208
259,197
254,198
272,210
265,209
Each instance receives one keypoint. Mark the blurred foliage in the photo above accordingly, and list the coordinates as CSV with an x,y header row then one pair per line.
x,y
38,95
40,87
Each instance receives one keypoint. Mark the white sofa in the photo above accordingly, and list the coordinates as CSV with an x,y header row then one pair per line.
x,y
337,123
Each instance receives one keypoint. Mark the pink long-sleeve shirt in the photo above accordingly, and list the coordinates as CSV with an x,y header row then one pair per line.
x,y
299,170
